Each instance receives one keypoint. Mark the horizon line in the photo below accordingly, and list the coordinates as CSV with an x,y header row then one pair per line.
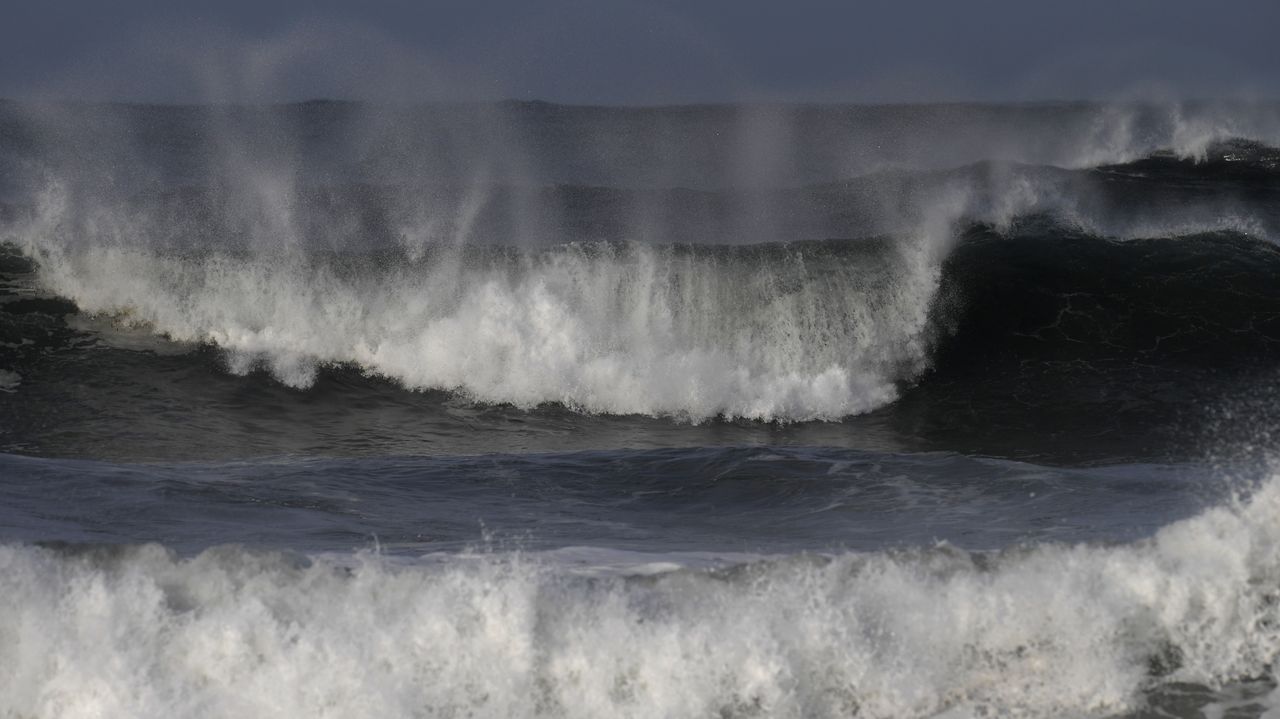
x,y
710,104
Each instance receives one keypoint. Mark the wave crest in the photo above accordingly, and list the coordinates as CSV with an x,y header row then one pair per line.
x,y
782,332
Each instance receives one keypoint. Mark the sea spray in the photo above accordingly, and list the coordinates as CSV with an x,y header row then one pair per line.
x,y
782,332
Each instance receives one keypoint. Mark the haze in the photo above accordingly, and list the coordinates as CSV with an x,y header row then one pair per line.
x,y
639,52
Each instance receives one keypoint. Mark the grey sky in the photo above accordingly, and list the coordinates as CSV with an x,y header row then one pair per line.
x,y
640,51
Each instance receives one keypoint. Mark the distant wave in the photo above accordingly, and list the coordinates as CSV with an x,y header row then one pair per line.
x,y
1221,159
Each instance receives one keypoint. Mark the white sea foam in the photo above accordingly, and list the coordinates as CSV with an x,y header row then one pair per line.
x,y
630,329
1049,631
9,381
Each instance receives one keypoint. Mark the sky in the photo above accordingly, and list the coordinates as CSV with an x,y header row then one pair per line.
x,y
640,51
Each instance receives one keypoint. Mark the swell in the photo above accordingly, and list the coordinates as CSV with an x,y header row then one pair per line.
x,y
1051,293
695,498
1084,630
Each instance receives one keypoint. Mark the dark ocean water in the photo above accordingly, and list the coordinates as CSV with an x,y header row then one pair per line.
x,y
529,410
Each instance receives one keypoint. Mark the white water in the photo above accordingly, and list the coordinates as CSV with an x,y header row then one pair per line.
x,y
9,381
1049,631
623,330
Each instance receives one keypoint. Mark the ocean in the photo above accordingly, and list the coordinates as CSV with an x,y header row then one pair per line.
x,y
332,409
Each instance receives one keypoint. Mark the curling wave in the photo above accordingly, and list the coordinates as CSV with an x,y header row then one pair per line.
x,y
790,332
291,279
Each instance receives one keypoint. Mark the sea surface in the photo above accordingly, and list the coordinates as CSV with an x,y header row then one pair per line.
x,y
527,410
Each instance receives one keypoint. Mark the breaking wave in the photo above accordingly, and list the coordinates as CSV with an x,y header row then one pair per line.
x,y
1056,629
668,302
796,332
